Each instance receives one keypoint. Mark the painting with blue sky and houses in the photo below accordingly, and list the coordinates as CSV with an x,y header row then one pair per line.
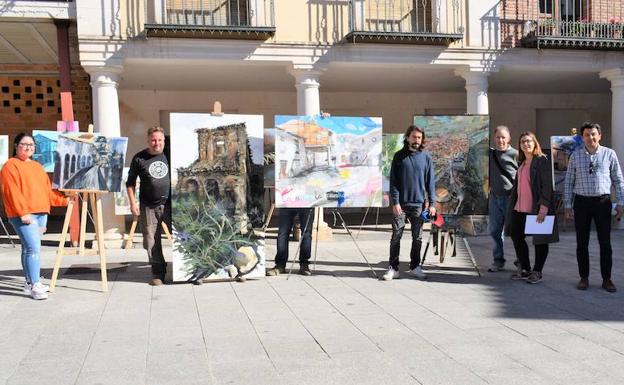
x,y
327,161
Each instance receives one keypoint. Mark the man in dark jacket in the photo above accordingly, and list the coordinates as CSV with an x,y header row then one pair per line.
x,y
412,180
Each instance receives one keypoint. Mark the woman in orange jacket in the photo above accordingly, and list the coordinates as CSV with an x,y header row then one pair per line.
x,y
27,196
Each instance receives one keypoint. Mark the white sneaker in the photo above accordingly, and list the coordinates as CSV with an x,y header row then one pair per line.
x,y
26,288
417,273
39,291
390,274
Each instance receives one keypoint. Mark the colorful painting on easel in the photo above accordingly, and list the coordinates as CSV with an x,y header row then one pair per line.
x,y
217,177
45,146
561,148
122,202
327,161
95,164
459,146
4,149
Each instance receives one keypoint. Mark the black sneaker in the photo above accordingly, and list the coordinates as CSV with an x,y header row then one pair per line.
x,y
304,269
522,274
535,277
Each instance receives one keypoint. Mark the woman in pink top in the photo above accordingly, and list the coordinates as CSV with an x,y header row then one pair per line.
x,y
532,193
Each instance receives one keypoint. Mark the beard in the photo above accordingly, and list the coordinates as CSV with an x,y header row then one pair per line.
x,y
413,146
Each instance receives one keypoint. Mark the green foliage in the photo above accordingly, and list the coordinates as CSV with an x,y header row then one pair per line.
x,y
204,234
391,144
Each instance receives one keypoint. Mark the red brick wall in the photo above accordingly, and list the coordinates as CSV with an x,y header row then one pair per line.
x,y
30,95
514,14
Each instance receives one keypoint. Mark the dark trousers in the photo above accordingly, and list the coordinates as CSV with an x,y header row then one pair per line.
x,y
598,209
151,224
286,221
518,221
398,225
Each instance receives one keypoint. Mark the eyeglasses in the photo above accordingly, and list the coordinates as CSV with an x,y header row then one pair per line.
x,y
592,163
526,141
27,145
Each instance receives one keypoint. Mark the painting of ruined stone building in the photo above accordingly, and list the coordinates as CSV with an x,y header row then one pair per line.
x,y
327,161
93,164
217,181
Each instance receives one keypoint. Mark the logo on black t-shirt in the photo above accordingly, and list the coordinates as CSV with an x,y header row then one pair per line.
x,y
158,170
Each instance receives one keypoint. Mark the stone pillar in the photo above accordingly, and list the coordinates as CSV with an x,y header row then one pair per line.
x,y
476,90
616,77
104,82
309,103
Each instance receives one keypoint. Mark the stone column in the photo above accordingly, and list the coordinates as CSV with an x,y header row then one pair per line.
x,y
309,103
476,90
616,77
106,121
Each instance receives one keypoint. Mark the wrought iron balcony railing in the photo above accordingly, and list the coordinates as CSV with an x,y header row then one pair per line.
x,y
239,19
597,24
405,21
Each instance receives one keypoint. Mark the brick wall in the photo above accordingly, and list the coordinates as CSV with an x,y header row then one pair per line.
x,y
515,13
30,95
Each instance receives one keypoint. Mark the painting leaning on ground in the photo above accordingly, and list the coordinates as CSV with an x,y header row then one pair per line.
x,y
217,183
327,161
93,165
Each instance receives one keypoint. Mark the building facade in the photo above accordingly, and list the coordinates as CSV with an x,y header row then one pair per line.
x,y
539,65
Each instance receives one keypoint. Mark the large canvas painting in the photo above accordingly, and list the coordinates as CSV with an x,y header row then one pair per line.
x,y
561,147
45,146
217,184
122,202
95,164
327,161
4,149
459,147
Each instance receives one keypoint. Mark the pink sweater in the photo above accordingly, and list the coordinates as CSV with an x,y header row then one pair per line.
x,y
524,204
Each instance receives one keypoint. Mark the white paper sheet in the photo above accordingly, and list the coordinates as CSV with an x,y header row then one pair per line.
x,y
532,227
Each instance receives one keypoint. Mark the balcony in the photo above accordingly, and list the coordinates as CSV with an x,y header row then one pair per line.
x,y
576,24
434,22
217,19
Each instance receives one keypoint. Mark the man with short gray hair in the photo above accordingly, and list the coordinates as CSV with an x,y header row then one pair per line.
x,y
503,168
152,167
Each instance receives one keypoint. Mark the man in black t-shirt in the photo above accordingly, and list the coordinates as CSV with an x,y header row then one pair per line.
x,y
152,167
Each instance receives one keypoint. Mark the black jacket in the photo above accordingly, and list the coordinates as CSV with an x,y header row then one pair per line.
x,y
543,194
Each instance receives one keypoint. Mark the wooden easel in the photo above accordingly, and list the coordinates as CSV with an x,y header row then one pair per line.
x,y
128,243
95,198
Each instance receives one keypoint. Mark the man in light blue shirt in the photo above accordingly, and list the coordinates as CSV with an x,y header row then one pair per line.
x,y
592,171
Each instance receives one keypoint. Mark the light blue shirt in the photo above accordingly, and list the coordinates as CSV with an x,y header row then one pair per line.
x,y
593,175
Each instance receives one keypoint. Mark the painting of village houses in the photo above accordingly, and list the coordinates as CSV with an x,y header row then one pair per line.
x,y
94,164
328,161
217,184
459,146
561,148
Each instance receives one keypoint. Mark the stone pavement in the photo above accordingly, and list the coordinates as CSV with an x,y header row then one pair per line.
x,y
339,326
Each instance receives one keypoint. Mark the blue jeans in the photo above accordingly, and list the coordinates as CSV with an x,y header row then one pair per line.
x,y
497,210
30,237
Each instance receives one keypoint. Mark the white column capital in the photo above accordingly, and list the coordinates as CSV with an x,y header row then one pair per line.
x,y
614,75
473,77
306,77
104,76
